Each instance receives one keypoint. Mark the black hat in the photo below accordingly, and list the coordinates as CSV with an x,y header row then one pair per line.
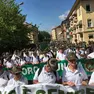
x,y
53,64
16,69
71,56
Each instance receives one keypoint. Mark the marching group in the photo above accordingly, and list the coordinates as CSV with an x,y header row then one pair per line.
x,y
73,74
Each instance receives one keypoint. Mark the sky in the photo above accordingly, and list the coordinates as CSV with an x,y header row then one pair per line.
x,y
47,14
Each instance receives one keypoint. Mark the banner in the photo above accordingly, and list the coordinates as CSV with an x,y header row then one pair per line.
x,y
29,70
47,89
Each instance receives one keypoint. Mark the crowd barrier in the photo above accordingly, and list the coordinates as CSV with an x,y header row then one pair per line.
x,y
29,70
47,89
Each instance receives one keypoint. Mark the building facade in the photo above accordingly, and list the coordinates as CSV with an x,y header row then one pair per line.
x,y
81,20
53,35
57,34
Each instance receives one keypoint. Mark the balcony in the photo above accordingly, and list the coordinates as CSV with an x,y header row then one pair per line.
x,y
74,13
75,20
74,32
70,18
79,30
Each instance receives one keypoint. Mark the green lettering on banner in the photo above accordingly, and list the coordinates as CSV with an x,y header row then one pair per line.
x,y
30,70
61,66
80,92
27,71
12,92
70,92
40,92
50,91
24,71
89,91
35,68
26,90
5,92
60,92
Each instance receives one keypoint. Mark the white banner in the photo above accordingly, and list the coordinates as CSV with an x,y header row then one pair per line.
x,y
46,89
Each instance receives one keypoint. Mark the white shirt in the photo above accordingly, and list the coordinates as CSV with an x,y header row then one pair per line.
x,y
61,56
45,59
28,59
67,51
91,55
3,79
77,77
35,60
91,79
3,82
45,77
9,64
49,54
15,83
78,54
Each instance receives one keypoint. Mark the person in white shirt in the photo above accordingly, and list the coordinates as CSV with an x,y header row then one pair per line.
x,y
45,57
8,62
68,49
60,55
35,58
48,73
77,51
27,58
73,74
91,81
17,79
4,76
82,52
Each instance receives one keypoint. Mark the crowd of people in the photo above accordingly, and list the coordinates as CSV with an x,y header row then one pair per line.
x,y
73,74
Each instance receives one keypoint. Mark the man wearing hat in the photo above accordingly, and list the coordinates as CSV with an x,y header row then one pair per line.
x,y
48,73
73,74
17,79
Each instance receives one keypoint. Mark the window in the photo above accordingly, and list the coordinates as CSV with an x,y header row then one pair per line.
x,y
88,8
91,36
89,23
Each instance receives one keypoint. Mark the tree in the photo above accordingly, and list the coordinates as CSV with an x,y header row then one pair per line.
x,y
13,33
44,36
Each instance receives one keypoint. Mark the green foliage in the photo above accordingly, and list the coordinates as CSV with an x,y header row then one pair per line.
x,y
44,36
13,34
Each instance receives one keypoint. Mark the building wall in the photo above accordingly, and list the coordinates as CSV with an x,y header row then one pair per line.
x,y
85,16
59,34
53,33
79,12
86,38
